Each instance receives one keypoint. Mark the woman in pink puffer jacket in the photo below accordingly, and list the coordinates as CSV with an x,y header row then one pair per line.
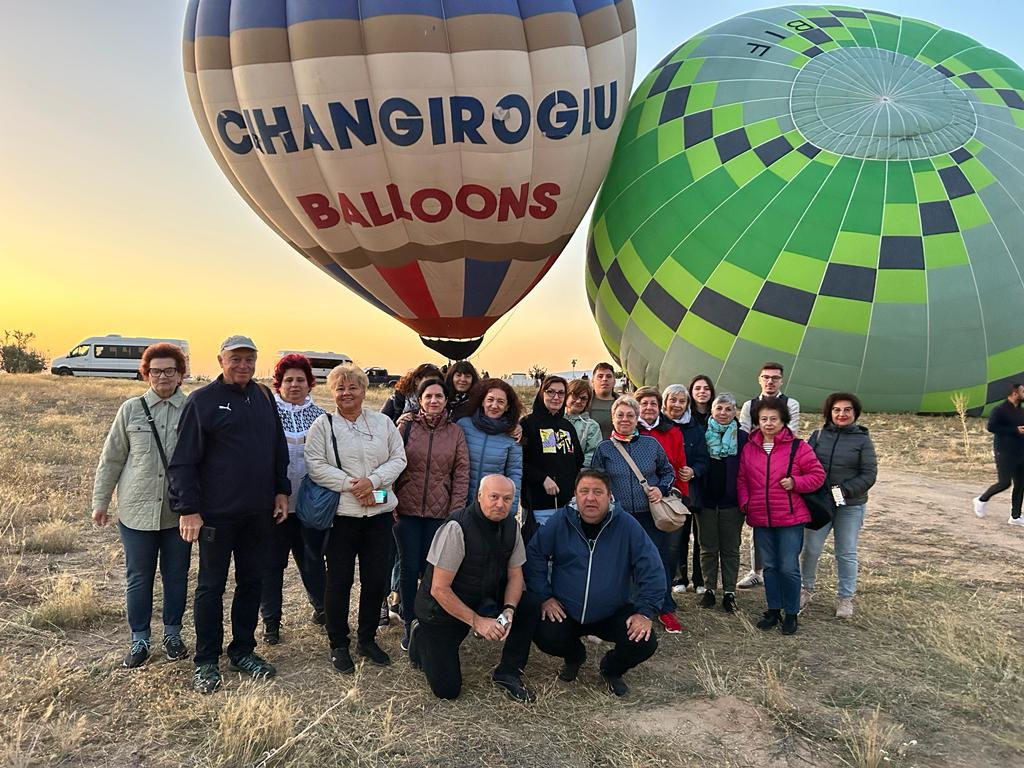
x,y
769,496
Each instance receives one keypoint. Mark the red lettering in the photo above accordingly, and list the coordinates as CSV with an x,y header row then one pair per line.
x,y
490,201
544,199
509,203
395,196
444,201
319,210
377,217
351,214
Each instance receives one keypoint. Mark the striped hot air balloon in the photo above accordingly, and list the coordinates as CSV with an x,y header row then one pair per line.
x,y
435,156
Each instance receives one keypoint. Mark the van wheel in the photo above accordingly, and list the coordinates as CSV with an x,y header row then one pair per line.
x,y
64,372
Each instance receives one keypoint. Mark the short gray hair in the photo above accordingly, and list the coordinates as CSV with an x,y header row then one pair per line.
x,y
675,389
629,401
725,397
348,372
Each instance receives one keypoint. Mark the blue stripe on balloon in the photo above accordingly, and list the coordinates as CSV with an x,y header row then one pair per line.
x,y
345,278
220,17
483,281
190,20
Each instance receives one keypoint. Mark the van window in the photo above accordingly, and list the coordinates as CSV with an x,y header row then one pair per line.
x,y
106,351
119,351
80,351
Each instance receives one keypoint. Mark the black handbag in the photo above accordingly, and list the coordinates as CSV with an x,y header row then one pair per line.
x,y
819,502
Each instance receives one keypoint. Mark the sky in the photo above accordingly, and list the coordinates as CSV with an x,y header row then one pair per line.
x,y
117,220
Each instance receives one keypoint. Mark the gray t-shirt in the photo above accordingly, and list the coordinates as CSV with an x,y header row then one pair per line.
x,y
601,412
449,548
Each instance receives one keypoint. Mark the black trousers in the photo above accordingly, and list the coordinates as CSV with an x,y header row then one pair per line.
x,y
247,539
563,639
369,539
437,648
684,556
286,539
1009,471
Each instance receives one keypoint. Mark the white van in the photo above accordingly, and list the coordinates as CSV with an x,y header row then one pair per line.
x,y
112,356
322,362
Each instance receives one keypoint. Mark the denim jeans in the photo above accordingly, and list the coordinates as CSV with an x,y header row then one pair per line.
x,y
415,535
780,553
845,526
667,543
142,549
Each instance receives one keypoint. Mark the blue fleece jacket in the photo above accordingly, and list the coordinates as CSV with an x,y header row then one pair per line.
x,y
595,580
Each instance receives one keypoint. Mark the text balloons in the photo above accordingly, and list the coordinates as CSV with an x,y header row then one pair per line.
x,y
834,189
434,156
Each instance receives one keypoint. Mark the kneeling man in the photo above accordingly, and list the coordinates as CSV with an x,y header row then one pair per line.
x,y
583,565
474,580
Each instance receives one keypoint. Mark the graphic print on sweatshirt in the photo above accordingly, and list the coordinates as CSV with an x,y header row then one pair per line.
x,y
555,441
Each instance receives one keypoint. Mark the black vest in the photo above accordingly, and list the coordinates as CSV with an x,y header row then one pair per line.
x,y
482,576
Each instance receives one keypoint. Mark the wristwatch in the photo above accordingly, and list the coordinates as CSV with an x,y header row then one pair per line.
x,y
509,606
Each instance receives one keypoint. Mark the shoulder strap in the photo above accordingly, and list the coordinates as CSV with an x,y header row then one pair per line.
x,y
630,462
792,455
334,440
406,429
156,435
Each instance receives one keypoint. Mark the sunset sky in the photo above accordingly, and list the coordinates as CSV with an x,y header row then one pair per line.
x,y
117,219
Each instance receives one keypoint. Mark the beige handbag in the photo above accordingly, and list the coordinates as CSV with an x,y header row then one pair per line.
x,y
670,513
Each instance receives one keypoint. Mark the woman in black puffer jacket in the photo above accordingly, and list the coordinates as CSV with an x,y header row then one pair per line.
x,y
845,450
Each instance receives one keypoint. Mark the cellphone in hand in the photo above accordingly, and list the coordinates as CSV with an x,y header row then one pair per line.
x,y
380,496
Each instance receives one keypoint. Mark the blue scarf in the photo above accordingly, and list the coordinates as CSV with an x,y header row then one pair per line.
x,y
721,439
490,426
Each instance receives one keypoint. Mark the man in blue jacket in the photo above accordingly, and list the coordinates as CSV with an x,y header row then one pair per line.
x,y
229,483
583,565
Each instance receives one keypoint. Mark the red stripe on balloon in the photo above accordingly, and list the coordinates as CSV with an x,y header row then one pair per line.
x,y
412,289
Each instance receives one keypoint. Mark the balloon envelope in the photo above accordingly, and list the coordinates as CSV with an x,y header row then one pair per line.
x,y
435,157
837,190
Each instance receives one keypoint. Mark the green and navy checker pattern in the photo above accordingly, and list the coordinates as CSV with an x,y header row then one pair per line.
x,y
835,188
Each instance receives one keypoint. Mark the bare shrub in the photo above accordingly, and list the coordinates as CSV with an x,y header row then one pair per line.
x,y
252,722
773,691
869,741
713,678
55,537
960,401
70,603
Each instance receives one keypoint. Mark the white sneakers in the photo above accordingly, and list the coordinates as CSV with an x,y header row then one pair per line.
x,y
844,608
679,589
1016,521
701,590
979,507
752,579
805,597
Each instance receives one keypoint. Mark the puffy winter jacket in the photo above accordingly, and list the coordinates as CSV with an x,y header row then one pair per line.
x,y
671,441
766,503
368,447
436,477
491,455
848,456
593,583
649,458
589,433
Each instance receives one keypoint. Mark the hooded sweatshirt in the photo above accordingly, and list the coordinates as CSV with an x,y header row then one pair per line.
x,y
552,449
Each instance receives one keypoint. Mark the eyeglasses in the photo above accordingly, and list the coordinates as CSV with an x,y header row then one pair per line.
x,y
167,373
842,410
555,392
770,378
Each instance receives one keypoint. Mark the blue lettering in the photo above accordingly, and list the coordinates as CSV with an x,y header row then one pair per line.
x,y
464,126
586,112
281,127
229,117
437,128
601,120
311,131
345,123
407,130
566,118
509,103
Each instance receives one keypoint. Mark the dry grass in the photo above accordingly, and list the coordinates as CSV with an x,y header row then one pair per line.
x,y
54,537
931,660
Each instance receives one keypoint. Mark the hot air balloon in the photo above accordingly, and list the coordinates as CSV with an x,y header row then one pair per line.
x,y
434,156
835,189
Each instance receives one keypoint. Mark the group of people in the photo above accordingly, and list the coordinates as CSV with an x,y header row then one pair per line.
x,y
427,493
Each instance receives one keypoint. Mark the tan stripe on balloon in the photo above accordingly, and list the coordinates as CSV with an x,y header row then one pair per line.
x,y
486,32
259,45
212,52
326,37
552,30
404,34
627,15
398,257
188,56
601,25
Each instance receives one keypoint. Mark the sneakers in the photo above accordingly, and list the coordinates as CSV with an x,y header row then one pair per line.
x,y
707,600
805,597
729,602
255,666
701,590
395,612
752,579
593,639
174,648
513,685
979,507
319,616
1015,521
771,619
385,615
206,678
137,654
844,608
405,638
615,683
679,588
374,653
342,660
671,623
272,632
789,624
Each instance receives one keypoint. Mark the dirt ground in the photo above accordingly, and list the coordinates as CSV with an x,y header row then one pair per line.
x,y
928,673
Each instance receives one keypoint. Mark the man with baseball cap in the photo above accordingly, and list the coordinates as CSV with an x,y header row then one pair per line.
x,y
229,483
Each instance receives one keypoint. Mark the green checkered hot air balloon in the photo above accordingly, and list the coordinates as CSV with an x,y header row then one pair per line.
x,y
839,190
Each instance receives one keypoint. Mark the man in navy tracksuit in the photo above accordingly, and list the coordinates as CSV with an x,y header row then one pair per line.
x,y
1006,423
229,482
585,565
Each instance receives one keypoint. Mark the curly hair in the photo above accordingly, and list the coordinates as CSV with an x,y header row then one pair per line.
x,y
514,409
296,361
407,384
163,349
835,397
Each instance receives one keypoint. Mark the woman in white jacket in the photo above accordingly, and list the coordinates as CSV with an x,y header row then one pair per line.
x,y
370,457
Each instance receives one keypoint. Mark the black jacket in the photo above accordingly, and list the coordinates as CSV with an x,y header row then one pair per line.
x,y
552,449
696,445
848,457
718,488
232,457
1002,423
